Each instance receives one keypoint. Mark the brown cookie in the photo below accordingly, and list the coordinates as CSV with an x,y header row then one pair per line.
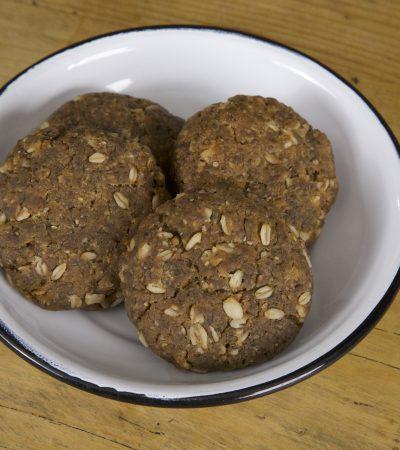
x,y
68,198
133,117
266,148
215,282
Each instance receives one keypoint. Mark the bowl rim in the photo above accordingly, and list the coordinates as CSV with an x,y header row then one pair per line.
x,y
11,341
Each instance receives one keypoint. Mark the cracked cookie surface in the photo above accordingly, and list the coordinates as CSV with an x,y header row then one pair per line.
x,y
263,147
68,198
214,282
134,117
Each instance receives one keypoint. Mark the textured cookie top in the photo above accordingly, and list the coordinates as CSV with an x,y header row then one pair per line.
x,y
262,146
215,282
133,117
68,198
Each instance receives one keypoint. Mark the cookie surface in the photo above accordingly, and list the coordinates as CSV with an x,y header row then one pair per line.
x,y
133,117
215,282
68,198
266,148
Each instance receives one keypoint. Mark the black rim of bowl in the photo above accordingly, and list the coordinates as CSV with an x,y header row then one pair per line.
x,y
223,398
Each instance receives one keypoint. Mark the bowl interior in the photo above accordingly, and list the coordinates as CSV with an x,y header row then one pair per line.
x,y
354,261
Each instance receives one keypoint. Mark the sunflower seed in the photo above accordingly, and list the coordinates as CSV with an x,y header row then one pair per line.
x,y
223,247
236,280
224,225
75,301
293,230
195,316
165,255
198,336
234,352
97,158
121,200
172,311
307,258
207,214
142,339
155,201
88,256
265,234
131,244
58,272
35,146
133,175
143,251
274,314
273,126
264,292
287,144
301,311
155,288
214,334
304,298
22,214
92,299
165,235
237,323
3,218
304,235
41,268
233,309
194,240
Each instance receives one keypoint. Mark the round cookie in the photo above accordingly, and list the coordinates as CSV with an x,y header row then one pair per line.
x,y
215,282
266,148
134,117
68,198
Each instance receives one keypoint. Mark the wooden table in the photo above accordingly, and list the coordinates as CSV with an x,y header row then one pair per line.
x,y
354,404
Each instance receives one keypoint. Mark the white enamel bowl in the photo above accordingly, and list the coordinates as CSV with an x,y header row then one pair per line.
x,y
355,261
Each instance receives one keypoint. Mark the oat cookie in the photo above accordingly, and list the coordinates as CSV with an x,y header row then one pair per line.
x,y
215,282
68,198
134,117
264,147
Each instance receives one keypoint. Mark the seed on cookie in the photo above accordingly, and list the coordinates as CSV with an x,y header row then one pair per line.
x,y
88,256
233,309
224,225
97,158
274,314
93,298
58,271
236,280
172,311
264,292
133,175
304,298
22,214
121,200
265,234
155,288
194,240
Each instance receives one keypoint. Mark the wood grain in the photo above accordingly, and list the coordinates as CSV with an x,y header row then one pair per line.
x,y
355,404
